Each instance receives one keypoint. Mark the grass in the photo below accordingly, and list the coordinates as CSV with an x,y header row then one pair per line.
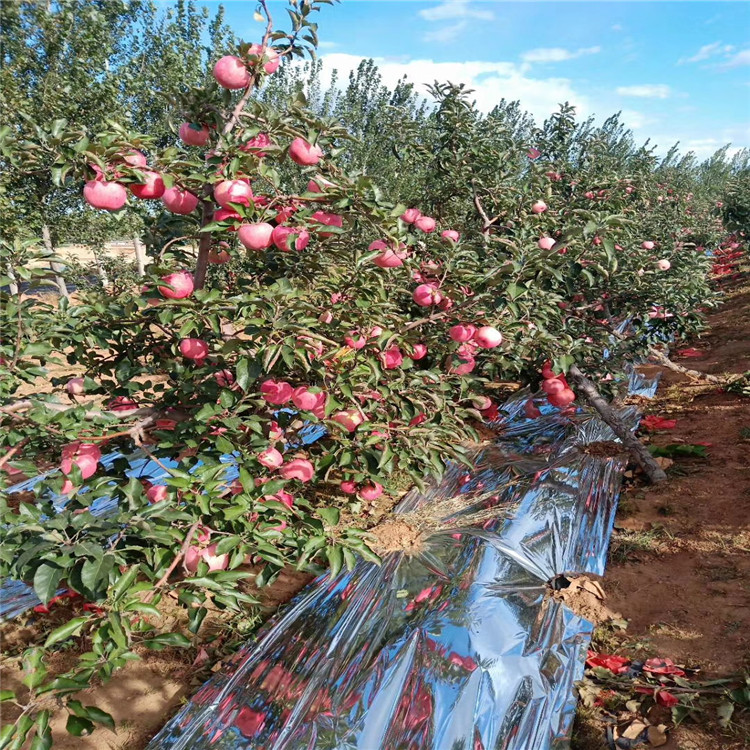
x,y
626,545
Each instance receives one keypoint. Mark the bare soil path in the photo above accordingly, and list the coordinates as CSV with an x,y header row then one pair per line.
x,y
679,568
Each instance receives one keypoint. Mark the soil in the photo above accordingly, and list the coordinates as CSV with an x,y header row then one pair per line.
x,y
586,597
679,568
396,535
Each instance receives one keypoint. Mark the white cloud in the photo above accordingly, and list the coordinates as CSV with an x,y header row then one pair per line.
x,y
707,51
323,44
646,91
458,13
490,81
444,33
617,27
741,58
633,119
455,9
556,54
703,147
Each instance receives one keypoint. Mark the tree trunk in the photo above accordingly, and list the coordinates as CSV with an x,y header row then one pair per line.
x,y
101,270
57,268
665,361
638,451
140,256
13,285
204,246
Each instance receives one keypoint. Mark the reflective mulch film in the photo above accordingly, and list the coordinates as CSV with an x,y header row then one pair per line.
x,y
457,645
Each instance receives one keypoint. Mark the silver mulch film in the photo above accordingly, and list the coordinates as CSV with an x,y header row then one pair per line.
x,y
456,647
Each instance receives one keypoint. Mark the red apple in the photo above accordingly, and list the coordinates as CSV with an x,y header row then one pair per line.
x,y
179,201
194,134
230,73
108,196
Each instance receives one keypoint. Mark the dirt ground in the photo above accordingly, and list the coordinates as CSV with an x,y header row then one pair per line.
x,y
679,568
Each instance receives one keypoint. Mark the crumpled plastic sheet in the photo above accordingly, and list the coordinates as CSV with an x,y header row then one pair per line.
x,y
457,646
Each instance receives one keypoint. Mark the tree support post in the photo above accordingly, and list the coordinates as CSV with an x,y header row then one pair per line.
x,y
637,450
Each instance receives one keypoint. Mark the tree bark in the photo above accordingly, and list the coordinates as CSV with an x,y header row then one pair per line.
x,y
637,450
101,270
13,285
204,246
665,361
56,267
140,256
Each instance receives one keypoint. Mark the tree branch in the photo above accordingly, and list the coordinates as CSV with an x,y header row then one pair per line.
x,y
637,450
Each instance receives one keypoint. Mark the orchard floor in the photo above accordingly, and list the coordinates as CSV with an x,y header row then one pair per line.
x,y
679,567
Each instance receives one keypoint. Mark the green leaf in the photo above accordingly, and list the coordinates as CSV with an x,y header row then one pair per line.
x,y
43,734
227,544
248,370
78,726
167,639
7,695
124,583
68,630
329,515
335,558
100,717
95,573
46,581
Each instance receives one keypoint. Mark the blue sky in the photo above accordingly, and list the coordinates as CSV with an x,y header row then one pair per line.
x,y
677,70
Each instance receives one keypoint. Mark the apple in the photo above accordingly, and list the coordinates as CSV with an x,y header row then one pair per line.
x,y
233,191
269,54
151,189
349,419
647,245
539,207
75,387
425,223
219,256
270,458
181,283
546,243
194,134
297,468
426,295
419,351
225,378
256,236
488,337
195,349
304,153
157,493
462,332
230,73
256,143
276,391
282,237
410,215
371,491
108,196
179,201
663,264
